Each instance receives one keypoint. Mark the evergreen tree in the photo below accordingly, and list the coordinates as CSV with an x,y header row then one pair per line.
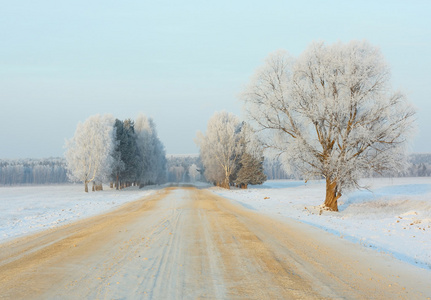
x,y
129,153
250,171
118,165
126,156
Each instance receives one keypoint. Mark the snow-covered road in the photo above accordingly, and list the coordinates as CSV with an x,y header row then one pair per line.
x,y
186,243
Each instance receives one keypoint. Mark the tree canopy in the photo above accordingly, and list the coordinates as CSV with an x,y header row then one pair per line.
x,y
105,149
89,151
330,113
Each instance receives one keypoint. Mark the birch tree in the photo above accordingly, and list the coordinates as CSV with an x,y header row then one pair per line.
x,y
88,153
330,113
219,147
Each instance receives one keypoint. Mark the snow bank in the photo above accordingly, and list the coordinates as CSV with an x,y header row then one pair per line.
x,y
393,216
28,209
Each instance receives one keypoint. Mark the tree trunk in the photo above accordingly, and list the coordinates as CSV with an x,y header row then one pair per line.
x,y
86,186
331,200
225,183
94,187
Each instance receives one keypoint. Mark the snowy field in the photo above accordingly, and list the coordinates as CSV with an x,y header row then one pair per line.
x,y
393,216
27,209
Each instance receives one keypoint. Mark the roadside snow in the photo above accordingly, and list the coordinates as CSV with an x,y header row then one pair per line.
x,y
393,216
27,209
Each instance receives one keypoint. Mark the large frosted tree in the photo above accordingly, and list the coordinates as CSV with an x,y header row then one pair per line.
x,y
219,147
89,151
330,113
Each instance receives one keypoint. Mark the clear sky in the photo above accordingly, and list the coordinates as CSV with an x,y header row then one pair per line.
x,y
178,61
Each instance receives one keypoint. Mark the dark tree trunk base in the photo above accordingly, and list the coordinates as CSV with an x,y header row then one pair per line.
x,y
332,196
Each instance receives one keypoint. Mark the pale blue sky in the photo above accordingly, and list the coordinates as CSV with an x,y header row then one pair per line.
x,y
178,62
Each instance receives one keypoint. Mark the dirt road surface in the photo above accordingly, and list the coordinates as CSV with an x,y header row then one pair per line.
x,y
186,243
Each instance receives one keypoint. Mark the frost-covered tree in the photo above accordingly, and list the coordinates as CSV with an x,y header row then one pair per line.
x,y
274,169
179,167
88,153
249,161
152,152
219,147
194,172
33,171
330,113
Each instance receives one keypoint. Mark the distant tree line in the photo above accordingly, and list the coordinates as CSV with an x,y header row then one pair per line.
x,y
184,168
122,153
33,171
418,165
274,169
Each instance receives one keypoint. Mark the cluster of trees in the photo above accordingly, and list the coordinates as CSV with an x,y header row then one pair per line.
x,y
229,152
331,113
419,165
416,170
33,171
184,168
123,153
274,169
